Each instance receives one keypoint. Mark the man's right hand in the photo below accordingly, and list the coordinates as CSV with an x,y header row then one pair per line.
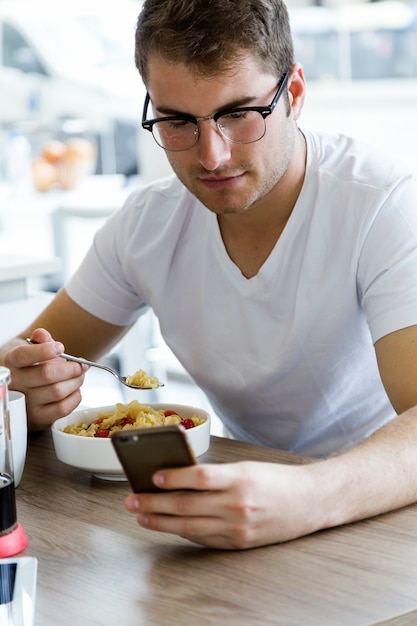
x,y
50,383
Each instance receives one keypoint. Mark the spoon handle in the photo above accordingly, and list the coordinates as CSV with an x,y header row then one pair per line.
x,y
78,359
69,357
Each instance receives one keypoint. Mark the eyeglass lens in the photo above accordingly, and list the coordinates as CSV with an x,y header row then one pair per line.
x,y
238,127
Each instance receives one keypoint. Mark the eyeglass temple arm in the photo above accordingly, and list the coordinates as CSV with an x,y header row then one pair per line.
x,y
146,125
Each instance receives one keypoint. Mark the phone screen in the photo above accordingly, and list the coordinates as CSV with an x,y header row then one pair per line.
x,y
18,591
143,451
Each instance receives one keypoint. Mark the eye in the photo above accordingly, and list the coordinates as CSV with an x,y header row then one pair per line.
x,y
180,124
234,116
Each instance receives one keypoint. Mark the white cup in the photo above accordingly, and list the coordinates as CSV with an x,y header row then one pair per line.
x,y
19,432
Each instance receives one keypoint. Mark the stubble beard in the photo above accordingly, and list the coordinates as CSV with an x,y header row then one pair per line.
x,y
260,180
227,201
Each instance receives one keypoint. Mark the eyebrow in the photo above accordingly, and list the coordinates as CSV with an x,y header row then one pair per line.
x,y
235,104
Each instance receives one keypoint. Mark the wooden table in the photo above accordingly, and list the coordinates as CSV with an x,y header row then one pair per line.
x,y
96,566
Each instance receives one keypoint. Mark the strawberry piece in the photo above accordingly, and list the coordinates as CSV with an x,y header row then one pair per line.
x,y
167,413
102,434
127,420
187,423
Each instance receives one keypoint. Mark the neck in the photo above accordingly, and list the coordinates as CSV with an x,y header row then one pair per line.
x,y
250,237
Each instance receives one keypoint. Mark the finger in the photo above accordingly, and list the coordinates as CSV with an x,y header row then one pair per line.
x,y
41,416
52,390
47,374
210,530
40,335
47,402
202,530
184,513
30,354
54,379
202,477
180,504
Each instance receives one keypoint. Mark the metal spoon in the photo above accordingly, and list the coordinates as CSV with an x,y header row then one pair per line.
x,y
122,379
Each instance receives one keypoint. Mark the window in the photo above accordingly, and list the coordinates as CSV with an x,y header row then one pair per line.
x,y
369,41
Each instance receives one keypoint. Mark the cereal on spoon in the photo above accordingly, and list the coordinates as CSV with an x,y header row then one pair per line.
x,y
142,379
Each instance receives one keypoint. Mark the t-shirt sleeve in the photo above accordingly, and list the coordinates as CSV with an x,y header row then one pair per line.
x,y
100,284
128,266
387,263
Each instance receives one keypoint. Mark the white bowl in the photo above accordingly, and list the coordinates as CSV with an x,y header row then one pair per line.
x,y
97,455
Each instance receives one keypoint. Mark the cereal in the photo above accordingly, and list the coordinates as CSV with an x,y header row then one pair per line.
x,y
142,379
126,417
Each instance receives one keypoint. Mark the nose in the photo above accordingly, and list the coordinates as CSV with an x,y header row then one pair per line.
x,y
213,148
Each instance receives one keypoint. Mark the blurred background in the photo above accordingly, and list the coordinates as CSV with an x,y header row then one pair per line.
x,y
71,147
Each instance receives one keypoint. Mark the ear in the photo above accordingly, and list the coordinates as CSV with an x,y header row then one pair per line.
x,y
296,90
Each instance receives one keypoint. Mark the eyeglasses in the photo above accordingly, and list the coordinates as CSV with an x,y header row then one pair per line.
x,y
241,125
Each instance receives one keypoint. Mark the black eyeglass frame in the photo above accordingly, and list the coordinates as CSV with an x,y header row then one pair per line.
x,y
265,111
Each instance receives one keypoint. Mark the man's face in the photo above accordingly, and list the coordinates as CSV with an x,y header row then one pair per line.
x,y
226,177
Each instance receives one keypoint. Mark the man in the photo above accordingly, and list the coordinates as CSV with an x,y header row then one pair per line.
x,y
282,266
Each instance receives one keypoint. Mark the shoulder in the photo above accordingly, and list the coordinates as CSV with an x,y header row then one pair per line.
x,y
154,217
345,159
154,205
163,193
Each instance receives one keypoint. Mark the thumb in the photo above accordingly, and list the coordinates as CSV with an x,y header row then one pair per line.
x,y
40,335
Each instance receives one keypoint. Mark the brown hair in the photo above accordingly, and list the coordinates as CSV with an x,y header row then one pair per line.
x,y
212,35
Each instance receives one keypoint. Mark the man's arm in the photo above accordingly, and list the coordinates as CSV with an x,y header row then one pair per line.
x,y
249,504
52,384
243,505
397,361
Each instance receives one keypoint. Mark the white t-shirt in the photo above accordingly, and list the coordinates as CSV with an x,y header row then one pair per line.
x,y
286,358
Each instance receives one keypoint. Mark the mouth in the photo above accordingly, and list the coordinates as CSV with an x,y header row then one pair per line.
x,y
221,182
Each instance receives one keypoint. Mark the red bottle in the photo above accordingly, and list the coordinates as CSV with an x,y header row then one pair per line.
x,y
12,536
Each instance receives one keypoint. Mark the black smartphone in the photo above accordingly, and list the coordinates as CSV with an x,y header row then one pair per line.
x,y
143,451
